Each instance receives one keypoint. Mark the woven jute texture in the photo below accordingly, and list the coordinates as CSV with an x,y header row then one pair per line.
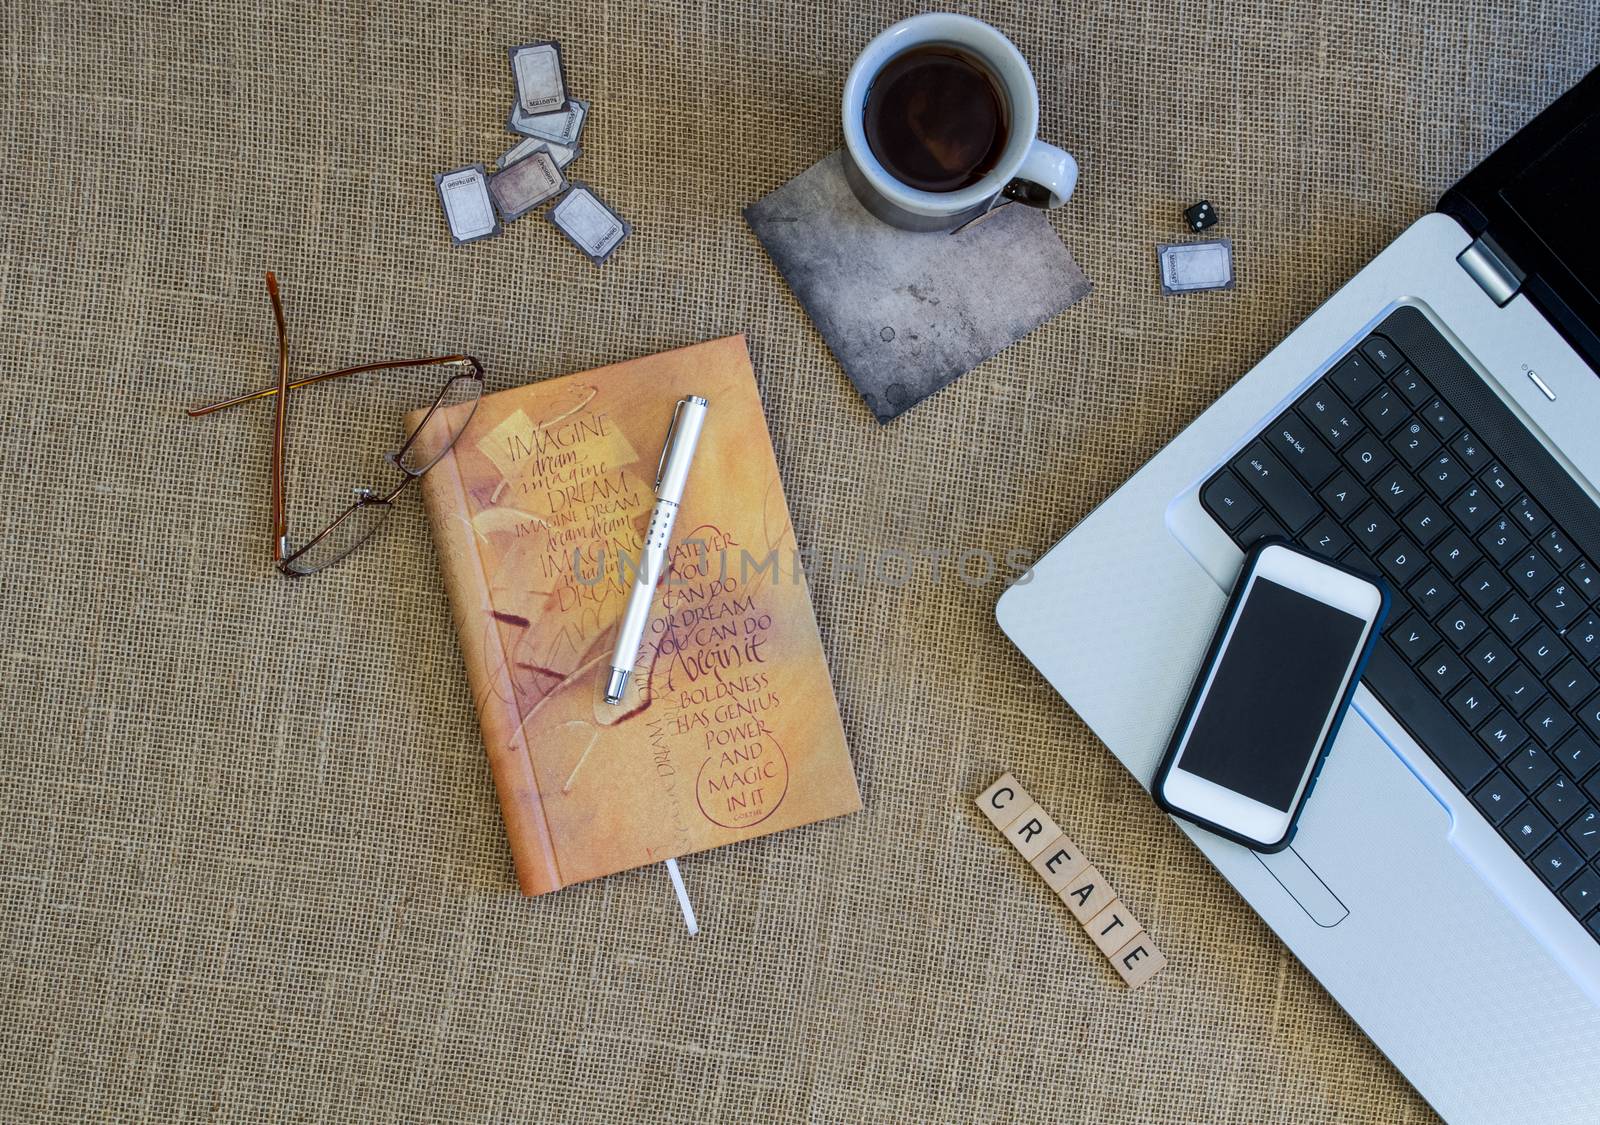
x,y
251,866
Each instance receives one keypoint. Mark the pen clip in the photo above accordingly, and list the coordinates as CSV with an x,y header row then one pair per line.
x,y
666,446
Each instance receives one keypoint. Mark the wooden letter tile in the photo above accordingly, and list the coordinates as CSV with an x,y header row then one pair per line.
x,y
1112,928
1138,961
1086,893
1004,801
1031,831
1058,862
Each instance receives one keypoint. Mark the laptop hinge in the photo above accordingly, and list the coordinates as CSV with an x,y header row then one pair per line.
x,y
1492,269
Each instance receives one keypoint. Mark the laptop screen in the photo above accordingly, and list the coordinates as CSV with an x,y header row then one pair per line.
x,y
1534,197
1557,192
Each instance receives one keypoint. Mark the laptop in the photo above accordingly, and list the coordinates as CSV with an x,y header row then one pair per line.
x,y
1435,422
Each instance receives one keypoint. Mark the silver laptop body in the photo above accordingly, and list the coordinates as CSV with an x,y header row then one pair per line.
x,y
1402,899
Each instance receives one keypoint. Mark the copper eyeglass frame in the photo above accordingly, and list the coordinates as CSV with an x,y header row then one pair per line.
x,y
282,557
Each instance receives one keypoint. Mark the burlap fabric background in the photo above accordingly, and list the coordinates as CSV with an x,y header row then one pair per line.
x,y
252,863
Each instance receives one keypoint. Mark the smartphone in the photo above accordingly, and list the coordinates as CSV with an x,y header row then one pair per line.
x,y
1270,696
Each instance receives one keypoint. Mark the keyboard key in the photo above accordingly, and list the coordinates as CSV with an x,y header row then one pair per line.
x,y
1532,572
1502,735
1484,586
1328,415
1326,538
1229,503
1527,828
1513,617
1496,797
1501,483
1531,767
1591,784
1585,832
1414,444
1263,526
1373,528
1385,411
1414,637
1519,688
1543,650
1343,495
1411,386
1592,924
1560,605
1395,488
1427,718
1425,520
1470,452
1461,625
1584,577
1401,560
1472,703
1558,547
1455,553
1529,516
1354,377
1579,754
1441,418
1472,508
1431,592
1384,355
1557,862
1572,683
1291,439
1560,800
1548,721
1503,540
1443,670
1491,656
1586,638
1444,475
1366,455
1589,716
1583,893
1291,504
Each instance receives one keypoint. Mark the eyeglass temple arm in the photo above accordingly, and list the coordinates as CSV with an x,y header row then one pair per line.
x,y
268,392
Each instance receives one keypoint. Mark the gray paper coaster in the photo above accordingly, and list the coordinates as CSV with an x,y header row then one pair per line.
x,y
906,314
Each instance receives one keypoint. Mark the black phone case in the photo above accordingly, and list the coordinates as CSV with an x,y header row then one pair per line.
x,y
1239,585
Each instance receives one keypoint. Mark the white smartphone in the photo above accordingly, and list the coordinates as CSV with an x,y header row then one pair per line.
x,y
1267,703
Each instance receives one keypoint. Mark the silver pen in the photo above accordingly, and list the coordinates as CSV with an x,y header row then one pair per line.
x,y
683,434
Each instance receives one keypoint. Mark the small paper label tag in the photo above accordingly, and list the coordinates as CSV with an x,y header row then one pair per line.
x,y
561,154
468,210
1187,267
536,69
526,184
592,227
562,126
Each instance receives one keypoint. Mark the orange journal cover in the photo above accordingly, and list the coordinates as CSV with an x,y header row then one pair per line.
x,y
729,729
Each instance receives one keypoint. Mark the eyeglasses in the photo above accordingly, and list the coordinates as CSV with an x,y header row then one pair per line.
x,y
423,448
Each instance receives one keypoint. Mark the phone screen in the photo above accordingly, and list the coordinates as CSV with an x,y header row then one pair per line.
x,y
1280,676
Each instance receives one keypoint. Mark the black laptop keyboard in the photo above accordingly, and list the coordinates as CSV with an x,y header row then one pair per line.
x,y
1400,463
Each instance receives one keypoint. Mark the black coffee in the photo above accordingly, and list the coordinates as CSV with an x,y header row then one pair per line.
x,y
935,119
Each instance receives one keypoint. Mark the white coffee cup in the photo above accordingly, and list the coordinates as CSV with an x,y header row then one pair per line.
x,y
1028,171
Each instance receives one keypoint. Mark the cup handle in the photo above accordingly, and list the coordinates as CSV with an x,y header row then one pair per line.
x,y
1046,178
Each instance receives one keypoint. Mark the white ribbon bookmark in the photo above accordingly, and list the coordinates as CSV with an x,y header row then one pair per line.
x,y
683,898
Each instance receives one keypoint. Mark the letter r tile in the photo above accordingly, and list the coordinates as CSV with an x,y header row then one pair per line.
x,y
1031,831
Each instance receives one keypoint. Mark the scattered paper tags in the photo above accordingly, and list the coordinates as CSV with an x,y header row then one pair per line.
x,y
561,154
593,228
1187,267
468,210
541,83
562,126
526,184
